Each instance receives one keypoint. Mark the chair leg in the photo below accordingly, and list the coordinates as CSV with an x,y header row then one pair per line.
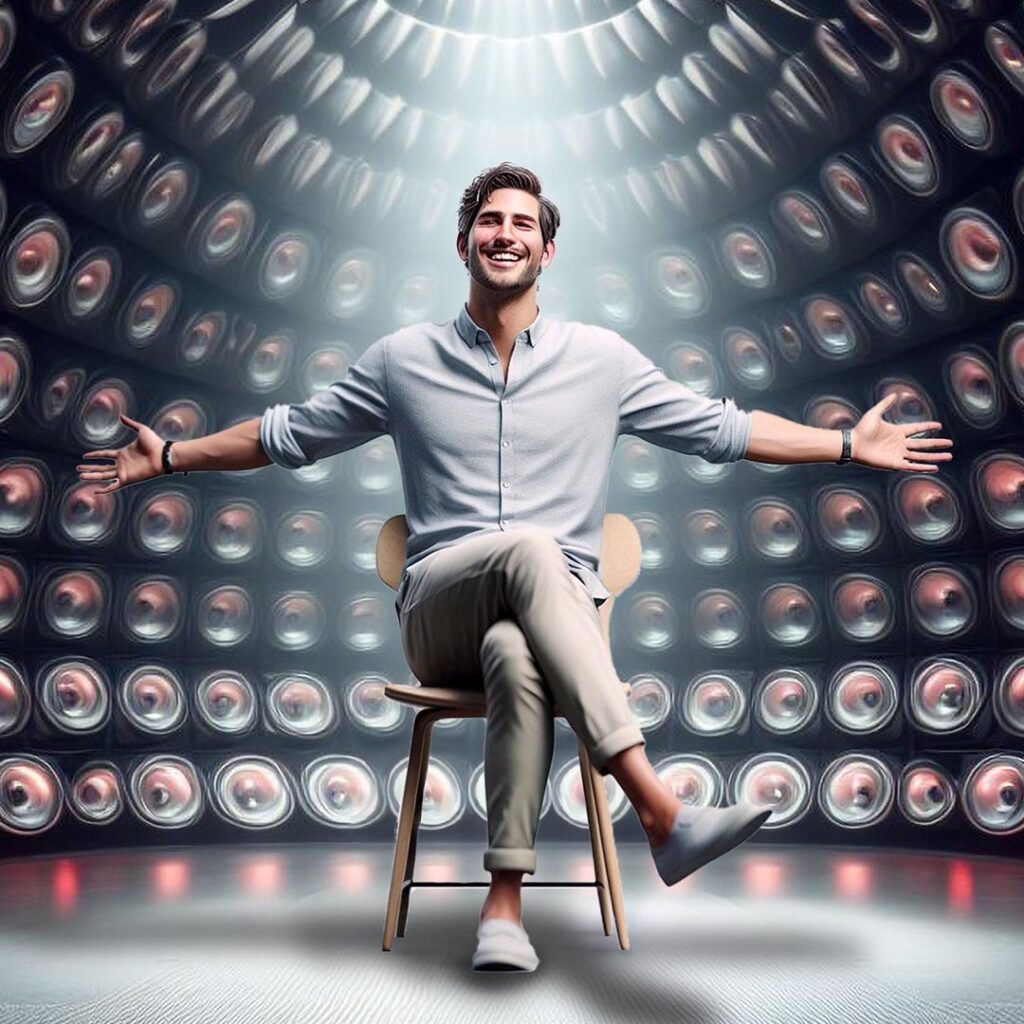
x,y
600,873
404,832
611,857
421,785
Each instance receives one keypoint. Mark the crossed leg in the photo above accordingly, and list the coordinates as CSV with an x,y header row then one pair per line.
x,y
501,610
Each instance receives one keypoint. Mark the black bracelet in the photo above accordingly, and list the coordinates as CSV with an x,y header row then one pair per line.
x,y
166,459
847,444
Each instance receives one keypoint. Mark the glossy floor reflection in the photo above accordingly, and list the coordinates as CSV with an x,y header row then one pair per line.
x,y
294,934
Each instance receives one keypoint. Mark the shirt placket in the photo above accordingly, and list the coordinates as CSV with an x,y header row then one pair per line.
x,y
506,467
506,429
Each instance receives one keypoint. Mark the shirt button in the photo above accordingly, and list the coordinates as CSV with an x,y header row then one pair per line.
x,y
504,401
505,484
504,444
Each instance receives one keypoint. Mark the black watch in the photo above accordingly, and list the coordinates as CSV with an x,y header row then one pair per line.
x,y
847,442
166,459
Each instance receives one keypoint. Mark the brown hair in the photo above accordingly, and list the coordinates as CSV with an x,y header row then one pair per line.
x,y
506,175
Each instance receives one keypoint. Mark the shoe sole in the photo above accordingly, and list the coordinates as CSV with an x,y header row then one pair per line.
x,y
513,968
727,843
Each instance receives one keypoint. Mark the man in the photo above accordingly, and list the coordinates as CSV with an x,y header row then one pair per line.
x,y
504,423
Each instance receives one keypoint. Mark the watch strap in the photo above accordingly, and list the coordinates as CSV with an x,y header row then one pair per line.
x,y
165,458
847,446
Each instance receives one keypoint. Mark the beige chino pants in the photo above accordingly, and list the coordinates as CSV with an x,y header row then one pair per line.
x,y
503,612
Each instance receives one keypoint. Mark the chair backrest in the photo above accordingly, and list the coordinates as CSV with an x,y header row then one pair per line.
x,y
618,566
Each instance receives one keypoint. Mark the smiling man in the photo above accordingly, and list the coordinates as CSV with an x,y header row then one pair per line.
x,y
505,423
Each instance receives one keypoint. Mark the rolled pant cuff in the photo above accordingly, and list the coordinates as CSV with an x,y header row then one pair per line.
x,y
614,743
502,859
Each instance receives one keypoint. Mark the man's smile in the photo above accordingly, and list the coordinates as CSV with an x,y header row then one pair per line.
x,y
503,258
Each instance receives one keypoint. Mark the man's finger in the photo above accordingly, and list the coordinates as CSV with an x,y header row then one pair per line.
x,y
945,456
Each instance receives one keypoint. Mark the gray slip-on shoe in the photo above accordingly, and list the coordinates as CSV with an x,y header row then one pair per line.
x,y
700,834
503,945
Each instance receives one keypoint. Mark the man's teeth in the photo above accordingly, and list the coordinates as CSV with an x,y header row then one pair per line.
x,y
504,257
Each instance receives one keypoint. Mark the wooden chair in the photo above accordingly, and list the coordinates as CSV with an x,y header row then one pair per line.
x,y
619,566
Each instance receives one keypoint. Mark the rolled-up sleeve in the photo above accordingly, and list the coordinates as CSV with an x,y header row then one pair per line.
x,y
343,416
667,413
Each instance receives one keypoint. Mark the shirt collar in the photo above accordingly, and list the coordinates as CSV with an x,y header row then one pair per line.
x,y
472,334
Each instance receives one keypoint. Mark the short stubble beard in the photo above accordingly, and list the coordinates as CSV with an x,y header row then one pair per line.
x,y
482,274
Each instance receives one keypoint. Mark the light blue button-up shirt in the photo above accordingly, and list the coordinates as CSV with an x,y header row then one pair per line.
x,y
478,455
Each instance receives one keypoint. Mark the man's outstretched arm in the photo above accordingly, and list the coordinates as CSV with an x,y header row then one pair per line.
x,y
336,419
667,413
141,459
874,441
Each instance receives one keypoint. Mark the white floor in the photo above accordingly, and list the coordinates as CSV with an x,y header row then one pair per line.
x,y
294,934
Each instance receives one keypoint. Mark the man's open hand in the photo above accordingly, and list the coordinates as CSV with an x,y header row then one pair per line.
x,y
140,460
876,442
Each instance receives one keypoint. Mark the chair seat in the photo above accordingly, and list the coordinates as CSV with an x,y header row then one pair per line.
x,y
436,696
446,697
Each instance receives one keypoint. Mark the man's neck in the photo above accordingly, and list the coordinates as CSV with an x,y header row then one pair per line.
x,y
502,317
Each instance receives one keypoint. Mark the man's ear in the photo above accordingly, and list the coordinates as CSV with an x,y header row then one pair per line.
x,y
463,254
549,254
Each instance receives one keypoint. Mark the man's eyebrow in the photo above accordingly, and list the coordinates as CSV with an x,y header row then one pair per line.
x,y
520,216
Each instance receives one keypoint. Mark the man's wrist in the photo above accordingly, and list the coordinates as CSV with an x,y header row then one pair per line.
x,y
176,455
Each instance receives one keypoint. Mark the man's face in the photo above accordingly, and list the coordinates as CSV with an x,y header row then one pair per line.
x,y
505,249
